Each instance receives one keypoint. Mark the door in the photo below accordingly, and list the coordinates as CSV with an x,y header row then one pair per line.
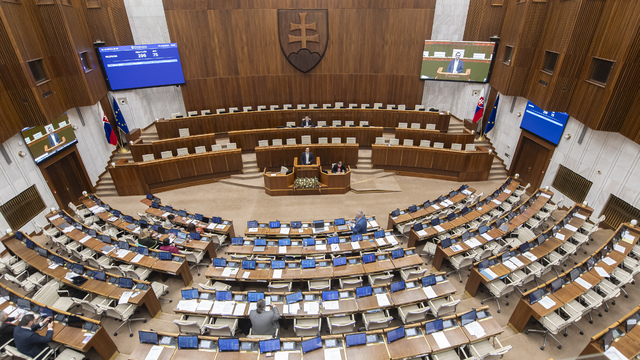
x,y
531,159
67,178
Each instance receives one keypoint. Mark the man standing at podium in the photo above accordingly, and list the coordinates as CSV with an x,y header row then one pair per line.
x,y
360,225
456,66
307,157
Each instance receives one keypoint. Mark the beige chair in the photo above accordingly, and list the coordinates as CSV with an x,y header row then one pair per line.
x,y
194,258
380,278
488,350
336,123
364,123
351,140
305,139
380,140
364,106
336,140
263,143
301,106
291,141
341,324
49,295
407,142
313,106
148,157
322,123
221,111
350,283
216,147
339,105
376,320
216,285
431,126
402,107
470,147
276,142
413,313
184,132
327,106
319,285
391,106
232,146
394,141
377,105
456,146
438,145
425,143
123,313
443,306
403,125
247,108
419,107
498,289
166,154
136,272
353,106
191,324
70,354
79,210
233,109
175,115
160,289
221,326
182,151
12,352
415,125
261,107
279,286
200,149
349,123
412,273
273,107
205,112
323,140
307,326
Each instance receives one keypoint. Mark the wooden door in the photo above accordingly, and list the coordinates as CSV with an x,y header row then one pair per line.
x,y
531,159
67,177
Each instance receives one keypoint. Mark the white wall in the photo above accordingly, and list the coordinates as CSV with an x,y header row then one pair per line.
x,y
449,19
609,160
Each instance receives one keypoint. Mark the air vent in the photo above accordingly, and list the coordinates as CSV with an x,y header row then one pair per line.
x,y
618,211
22,208
572,185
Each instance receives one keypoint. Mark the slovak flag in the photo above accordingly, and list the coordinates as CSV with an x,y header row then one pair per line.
x,y
479,108
108,130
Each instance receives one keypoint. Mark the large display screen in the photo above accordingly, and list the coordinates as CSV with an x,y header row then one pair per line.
x,y
45,141
139,66
456,60
548,125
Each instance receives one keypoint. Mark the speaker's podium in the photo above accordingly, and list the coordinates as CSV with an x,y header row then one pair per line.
x,y
444,75
284,183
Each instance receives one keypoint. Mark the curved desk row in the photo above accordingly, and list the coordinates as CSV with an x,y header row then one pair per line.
x,y
139,147
627,341
140,178
247,140
466,137
305,229
278,184
272,158
446,164
216,123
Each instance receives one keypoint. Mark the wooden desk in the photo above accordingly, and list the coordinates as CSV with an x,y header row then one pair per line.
x,y
443,74
140,178
466,137
368,351
194,354
139,148
273,158
371,303
142,350
409,347
237,355
454,335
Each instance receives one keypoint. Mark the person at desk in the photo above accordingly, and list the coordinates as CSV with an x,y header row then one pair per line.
x,y
168,223
306,122
338,168
27,340
360,225
166,246
192,228
145,239
307,157
456,65
264,322
6,328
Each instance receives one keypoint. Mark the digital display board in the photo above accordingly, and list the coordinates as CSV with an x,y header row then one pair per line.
x,y
468,61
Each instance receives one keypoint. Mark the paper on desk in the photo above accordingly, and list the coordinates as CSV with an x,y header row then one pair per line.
x,y
165,214
581,216
154,352
609,261
487,236
391,239
421,233
517,262
559,236
383,300
380,242
571,228
507,191
439,228
277,274
231,307
136,293
253,230
53,266
282,249
546,195
217,307
335,247
253,306
124,298
284,231
9,309
496,201
436,207
87,337
331,305
618,248
322,247
84,239
333,354
137,258
583,283
466,192
489,273
54,217
246,275
293,308
2,300
311,307
112,218
187,305
68,229
229,272
614,354
441,339
547,302
355,245
475,329
204,305
211,226
510,264
601,272
530,256
429,292
456,247
281,355
122,253
472,243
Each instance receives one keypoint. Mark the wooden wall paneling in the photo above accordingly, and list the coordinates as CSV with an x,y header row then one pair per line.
x,y
484,20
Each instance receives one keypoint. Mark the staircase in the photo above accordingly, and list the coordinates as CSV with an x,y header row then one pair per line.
x,y
251,176
105,185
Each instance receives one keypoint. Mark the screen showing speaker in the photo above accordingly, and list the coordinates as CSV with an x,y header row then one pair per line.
x,y
468,61
48,140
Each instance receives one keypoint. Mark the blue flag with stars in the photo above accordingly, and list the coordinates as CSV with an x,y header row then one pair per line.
x,y
492,118
119,118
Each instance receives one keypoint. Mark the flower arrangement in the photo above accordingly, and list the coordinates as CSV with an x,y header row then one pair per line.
x,y
306,183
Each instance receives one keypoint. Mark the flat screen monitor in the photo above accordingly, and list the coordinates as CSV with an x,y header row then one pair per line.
x,y
379,234
468,317
125,282
198,217
260,242
368,258
224,296
412,209
255,296
296,224
164,255
339,222
483,264
309,242
418,226
269,345
398,253
356,339
548,125
435,221
143,250
433,326
333,240
590,263
45,312
123,245
557,284
445,243
24,304
41,251
607,340
237,241
105,239
58,260
395,334
574,274
363,291
506,256
217,262
248,264
330,295
308,264
99,275
91,232
187,342
318,224
395,213
182,213
182,235
535,296
128,218
214,219
148,337
311,344
277,264
116,213
483,229
252,224
195,235
339,261
274,224
284,242
30,244
429,280
294,298
44,141
78,269
356,237
524,247
188,294
397,286
229,344
632,321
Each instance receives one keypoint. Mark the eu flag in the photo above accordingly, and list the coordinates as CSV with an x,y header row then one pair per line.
x,y
492,118
119,118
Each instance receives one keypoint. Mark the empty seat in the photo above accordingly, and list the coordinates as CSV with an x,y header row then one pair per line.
x,y
192,113
216,147
351,140
323,140
306,139
183,151
349,123
205,112
221,111
184,132
438,145
166,154
302,106
262,107
415,125
307,326
175,115
339,105
394,141
425,143
407,142
233,109
336,123
419,107
291,141
326,106
353,106
431,126
380,140
350,283
276,142
291,124
147,157
247,108
287,106
403,125
322,123
376,320
313,106
364,106
231,146
341,324
470,147
377,105
260,143
336,140
402,107
200,149
273,107
456,146
222,326
391,106
364,123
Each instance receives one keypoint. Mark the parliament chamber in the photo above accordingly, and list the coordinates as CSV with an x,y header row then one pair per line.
x,y
159,157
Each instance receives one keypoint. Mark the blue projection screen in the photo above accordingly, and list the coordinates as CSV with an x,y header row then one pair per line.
x,y
139,66
547,124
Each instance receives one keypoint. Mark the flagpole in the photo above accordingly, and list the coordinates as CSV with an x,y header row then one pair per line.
x,y
121,142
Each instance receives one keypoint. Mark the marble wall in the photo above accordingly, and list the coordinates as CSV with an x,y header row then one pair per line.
x,y
449,19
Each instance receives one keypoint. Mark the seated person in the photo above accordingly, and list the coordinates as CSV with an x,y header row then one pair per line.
x,y
360,225
339,168
27,340
192,228
264,322
306,122
6,328
307,157
166,246
145,239
168,223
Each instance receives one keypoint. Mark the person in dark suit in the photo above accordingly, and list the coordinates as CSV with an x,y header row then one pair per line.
x,y
456,65
307,157
339,168
27,340
306,122
6,328
264,322
360,225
